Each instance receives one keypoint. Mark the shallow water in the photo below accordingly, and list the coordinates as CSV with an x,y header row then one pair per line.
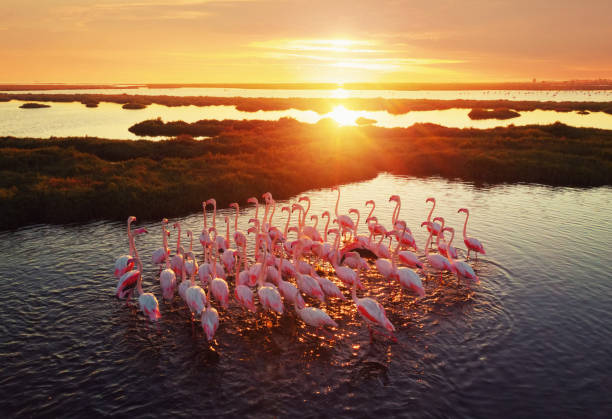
x,y
532,339
109,120
542,95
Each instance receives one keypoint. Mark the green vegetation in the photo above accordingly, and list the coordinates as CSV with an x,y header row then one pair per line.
x,y
246,104
134,106
501,113
78,179
34,106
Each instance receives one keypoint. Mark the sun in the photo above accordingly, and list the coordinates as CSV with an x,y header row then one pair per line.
x,y
343,116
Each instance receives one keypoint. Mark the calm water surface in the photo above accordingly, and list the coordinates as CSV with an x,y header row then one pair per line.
x,y
531,340
109,120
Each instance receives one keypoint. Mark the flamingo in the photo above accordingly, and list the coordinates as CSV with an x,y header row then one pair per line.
x,y
462,269
222,242
406,238
167,280
314,317
289,291
441,244
191,266
371,311
229,256
161,254
434,228
472,243
311,231
210,319
176,263
127,281
406,277
205,240
344,221
254,200
195,295
146,300
306,283
269,297
344,273
125,263
218,286
437,261
239,237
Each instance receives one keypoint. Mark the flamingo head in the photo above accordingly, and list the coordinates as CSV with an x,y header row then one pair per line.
x,y
426,223
234,205
325,214
375,219
212,229
304,198
335,188
294,228
204,203
439,219
296,206
314,217
464,210
254,221
131,219
431,200
267,196
226,218
176,225
370,202
452,230
354,211
394,198
286,208
138,231
253,200
251,230
164,221
211,201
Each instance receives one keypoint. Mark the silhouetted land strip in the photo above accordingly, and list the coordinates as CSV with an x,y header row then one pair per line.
x,y
393,106
493,114
34,106
134,106
600,84
76,179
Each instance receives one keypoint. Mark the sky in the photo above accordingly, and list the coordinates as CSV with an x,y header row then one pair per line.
x,y
295,41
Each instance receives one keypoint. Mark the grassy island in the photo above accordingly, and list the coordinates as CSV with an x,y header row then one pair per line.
x,y
76,179
34,105
493,114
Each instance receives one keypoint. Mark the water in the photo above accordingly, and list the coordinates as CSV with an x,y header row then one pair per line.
x,y
532,340
541,95
109,120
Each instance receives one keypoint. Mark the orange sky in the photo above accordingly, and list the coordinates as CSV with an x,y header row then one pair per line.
x,y
248,41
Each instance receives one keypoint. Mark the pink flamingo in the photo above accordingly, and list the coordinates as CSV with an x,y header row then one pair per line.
x,y
344,273
146,300
438,262
218,286
406,277
314,317
125,263
406,238
434,228
289,291
344,221
191,265
176,263
195,295
441,244
471,243
127,281
229,256
167,280
372,312
210,319
253,200
269,297
161,254
239,237
396,210
306,283
205,240
462,269
222,242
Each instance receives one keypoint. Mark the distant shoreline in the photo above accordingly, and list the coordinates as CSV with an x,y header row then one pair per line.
x,y
320,105
603,84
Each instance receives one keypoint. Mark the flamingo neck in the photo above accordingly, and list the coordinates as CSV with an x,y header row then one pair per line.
x,y
139,262
449,254
129,233
431,211
215,214
438,238
337,202
191,242
396,212
205,226
228,233
272,214
325,232
306,212
236,219
287,224
356,224
428,243
467,215
372,210
164,236
265,217
178,240
354,288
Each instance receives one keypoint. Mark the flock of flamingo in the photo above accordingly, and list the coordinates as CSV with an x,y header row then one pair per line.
x,y
284,270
